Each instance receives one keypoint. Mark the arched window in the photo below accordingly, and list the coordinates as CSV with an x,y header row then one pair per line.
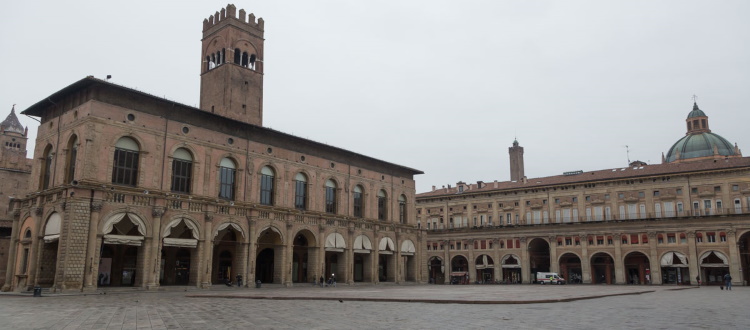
x,y
358,205
244,59
266,185
252,61
47,168
227,174
330,196
27,234
300,191
381,205
125,168
236,56
71,161
182,171
402,209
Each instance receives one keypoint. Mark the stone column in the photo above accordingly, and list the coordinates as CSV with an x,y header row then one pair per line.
x,y
655,263
286,270
90,285
321,252
525,263
692,259
471,261
618,262
399,263
447,266
154,262
36,247
207,252
10,269
498,271
252,251
349,255
585,263
554,265
734,260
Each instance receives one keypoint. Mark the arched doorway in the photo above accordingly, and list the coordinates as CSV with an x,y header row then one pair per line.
x,y
459,270
674,268
539,256
408,262
437,271
48,260
227,251
303,257
335,267
602,269
744,247
362,259
178,253
485,268
570,268
386,261
511,269
714,265
121,261
270,249
636,268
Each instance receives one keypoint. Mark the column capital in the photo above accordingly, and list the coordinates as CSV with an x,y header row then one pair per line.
x,y
157,211
209,217
96,206
38,211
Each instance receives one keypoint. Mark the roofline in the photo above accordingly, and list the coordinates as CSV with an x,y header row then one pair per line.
x,y
38,108
540,186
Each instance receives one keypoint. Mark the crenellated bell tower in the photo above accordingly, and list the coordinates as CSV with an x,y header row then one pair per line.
x,y
232,66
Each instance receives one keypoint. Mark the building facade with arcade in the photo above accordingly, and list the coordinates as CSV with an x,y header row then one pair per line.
x,y
679,222
129,189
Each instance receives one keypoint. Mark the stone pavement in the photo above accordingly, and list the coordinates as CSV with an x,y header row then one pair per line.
x,y
652,307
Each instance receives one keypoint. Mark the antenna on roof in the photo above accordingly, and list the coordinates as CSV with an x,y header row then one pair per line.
x,y
627,151
109,76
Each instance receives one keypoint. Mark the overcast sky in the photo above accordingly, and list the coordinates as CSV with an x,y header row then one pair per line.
x,y
440,86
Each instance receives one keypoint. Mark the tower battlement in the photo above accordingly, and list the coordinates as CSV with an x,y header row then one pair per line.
x,y
231,13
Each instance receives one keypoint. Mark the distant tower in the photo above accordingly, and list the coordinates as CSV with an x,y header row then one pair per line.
x,y
12,141
232,66
516,162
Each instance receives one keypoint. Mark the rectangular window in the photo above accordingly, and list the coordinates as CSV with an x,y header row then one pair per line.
x,y
226,182
568,241
125,169
656,193
24,261
671,239
300,195
381,208
358,204
331,201
510,219
711,237
402,211
735,187
266,189
722,237
181,174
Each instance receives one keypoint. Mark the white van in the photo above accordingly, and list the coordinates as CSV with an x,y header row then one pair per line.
x,y
551,278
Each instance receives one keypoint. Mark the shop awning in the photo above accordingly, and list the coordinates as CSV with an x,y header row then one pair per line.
x,y
181,242
674,259
123,240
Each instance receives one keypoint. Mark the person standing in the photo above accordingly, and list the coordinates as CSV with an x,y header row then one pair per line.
x,y
728,281
322,281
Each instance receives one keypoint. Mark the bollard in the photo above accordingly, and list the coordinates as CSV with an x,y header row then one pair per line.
x,y
37,291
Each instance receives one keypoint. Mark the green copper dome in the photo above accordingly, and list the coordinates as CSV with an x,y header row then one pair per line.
x,y
699,145
696,112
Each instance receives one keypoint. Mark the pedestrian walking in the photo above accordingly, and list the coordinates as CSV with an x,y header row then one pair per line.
x,y
322,281
239,280
698,279
728,281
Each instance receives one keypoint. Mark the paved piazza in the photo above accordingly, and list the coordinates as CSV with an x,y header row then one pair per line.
x,y
439,307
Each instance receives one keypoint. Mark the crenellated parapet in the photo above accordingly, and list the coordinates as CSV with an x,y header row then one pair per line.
x,y
230,12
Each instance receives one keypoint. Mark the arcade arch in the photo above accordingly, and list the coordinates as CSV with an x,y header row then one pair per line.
x,y
362,259
459,270
637,266
674,268
511,265
485,268
122,258
570,268
386,260
602,268
268,258
713,266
